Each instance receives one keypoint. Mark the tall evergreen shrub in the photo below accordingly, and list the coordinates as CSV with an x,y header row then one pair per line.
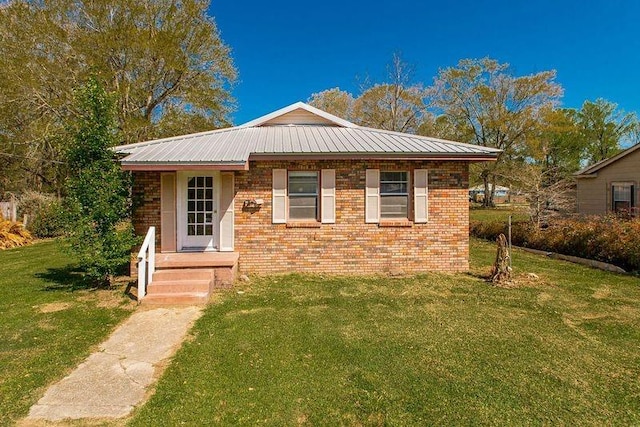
x,y
98,203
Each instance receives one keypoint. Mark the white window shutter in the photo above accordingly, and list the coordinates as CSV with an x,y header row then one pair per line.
x,y
328,196
279,196
168,212
372,196
226,212
421,195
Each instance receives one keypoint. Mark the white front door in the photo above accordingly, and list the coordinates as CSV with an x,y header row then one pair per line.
x,y
198,210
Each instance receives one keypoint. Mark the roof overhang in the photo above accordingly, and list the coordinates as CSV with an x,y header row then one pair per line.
x,y
169,167
590,170
372,156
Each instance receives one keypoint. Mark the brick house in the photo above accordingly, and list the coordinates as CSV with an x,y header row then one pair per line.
x,y
302,190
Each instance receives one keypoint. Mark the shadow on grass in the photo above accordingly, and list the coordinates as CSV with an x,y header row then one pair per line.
x,y
68,279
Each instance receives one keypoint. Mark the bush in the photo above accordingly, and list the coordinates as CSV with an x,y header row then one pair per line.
x,y
44,214
608,239
97,206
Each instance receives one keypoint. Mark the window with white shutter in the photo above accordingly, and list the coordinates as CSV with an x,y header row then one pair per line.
x,y
304,196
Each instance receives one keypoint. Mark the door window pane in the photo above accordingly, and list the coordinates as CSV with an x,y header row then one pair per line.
x,y
200,206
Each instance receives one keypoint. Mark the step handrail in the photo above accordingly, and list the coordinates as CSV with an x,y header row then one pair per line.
x,y
146,262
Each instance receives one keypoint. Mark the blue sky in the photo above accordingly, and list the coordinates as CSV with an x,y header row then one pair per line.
x,y
286,50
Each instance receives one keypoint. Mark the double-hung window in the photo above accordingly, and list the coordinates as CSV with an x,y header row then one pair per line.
x,y
394,194
622,197
303,195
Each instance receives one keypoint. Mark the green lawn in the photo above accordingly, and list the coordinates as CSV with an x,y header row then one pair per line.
x,y
48,322
559,348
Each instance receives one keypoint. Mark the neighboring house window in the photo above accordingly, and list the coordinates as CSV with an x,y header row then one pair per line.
x,y
622,197
303,195
394,194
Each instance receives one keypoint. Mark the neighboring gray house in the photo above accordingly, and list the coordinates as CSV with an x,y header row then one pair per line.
x,y
611,185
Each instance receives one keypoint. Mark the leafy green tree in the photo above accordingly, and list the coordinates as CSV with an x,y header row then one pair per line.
x,y
604,128
163,59
558,146
97,204
489,106
334,101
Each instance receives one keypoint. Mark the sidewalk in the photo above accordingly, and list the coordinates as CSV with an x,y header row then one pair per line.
x,y
113,380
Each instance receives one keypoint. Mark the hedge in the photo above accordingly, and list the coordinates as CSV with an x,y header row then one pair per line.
x,y
609,239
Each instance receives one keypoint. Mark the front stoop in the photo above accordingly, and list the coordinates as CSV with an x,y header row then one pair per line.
x,y
190,277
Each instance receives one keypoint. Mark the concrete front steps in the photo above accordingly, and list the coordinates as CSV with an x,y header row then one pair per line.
x,y
190,277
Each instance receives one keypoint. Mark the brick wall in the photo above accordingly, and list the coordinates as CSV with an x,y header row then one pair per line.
x,y
146,203
351,246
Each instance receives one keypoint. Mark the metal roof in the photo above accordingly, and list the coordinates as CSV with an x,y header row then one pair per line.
x,y
235,145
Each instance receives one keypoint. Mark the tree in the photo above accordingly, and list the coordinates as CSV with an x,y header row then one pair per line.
x,y
559,145
97,205
548,196
163,59
334,101
548,162
397,105
490,107
604,128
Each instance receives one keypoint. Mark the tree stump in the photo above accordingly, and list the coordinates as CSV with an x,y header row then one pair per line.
x,y
501,272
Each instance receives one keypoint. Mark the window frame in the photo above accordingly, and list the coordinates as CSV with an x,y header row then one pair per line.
x,y
407,194
632,199
317,196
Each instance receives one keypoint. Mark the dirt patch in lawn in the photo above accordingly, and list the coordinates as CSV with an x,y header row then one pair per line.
x,y
601,293
53,307
113,297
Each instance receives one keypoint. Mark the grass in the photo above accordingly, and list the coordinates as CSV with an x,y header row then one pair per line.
x,y
559,347
49,322
499,213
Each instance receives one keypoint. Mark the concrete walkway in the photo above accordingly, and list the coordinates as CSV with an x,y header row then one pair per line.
x,y
112,381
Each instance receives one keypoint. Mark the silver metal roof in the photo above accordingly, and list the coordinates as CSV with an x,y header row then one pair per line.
x,y
235,145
